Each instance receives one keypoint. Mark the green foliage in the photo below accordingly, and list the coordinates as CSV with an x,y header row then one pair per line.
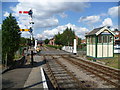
x,y
79,41
58,39
66,38
55,46
46,41
24,42
10,39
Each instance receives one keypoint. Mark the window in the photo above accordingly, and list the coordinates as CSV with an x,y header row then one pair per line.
x,y
110,39
105,39
87,39
100,39
93,40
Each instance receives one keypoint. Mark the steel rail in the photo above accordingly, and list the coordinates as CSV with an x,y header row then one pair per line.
x,y
102,69
111,70
76,81
90,69
54,81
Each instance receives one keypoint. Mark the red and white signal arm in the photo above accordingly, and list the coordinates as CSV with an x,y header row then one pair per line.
x,y
23,12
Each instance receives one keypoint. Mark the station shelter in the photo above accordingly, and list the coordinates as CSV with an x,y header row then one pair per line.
x,y
100,43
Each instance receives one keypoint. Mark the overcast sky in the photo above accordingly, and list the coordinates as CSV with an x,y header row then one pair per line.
x,y
53,17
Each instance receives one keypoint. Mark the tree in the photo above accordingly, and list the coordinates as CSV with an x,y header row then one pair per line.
x,y
10,39
79,41
68,37
46,41
23,41
58,39
26,42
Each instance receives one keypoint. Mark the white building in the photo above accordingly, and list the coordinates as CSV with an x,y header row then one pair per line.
x,y
100,43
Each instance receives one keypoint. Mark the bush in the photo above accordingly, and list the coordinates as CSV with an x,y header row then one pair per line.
x,y
55,46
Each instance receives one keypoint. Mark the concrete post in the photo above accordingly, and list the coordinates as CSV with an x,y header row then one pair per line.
x,y
75,47
35,44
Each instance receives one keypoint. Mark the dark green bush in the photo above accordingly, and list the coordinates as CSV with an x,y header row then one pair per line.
x,y
55,46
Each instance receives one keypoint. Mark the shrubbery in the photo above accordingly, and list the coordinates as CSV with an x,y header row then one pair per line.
x,y
55,46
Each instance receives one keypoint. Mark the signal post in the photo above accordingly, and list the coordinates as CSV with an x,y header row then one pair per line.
x,y
30,30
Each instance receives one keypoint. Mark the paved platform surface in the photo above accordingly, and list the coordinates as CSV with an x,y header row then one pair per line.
x,y
15,78
35,77
26,76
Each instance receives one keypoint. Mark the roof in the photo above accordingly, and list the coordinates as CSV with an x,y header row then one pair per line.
x,y
94,31
83,41
97,31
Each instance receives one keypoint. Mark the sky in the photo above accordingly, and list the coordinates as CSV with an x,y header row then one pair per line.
x,y
53,17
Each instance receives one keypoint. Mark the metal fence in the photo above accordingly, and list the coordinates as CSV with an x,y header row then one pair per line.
x,y
81,50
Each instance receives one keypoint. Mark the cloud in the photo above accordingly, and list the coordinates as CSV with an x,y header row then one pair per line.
x,y
25,34
6,14
46,22
44,13
39,36
113,11
89,19
63,15
79,31
107,22
103,14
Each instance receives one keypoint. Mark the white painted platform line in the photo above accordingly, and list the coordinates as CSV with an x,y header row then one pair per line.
x,y
45,86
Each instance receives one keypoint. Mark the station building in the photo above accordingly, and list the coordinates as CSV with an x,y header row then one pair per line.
x,y
100,43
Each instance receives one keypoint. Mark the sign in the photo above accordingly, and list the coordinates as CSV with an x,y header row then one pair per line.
x,y
24,29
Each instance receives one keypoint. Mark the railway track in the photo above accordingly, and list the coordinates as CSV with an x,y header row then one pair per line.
x,y
107,74
61,77
108,69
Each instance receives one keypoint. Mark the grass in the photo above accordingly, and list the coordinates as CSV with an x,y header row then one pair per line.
x,y
112,62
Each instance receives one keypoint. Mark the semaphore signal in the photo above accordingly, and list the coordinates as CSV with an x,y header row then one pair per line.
x,y
24,29
30,12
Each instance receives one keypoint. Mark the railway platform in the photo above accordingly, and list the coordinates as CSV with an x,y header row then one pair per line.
x,y
26,76
36,78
